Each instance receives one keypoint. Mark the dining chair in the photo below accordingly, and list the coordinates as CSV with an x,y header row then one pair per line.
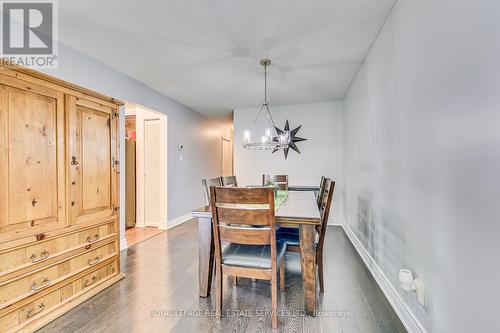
x,y
295,231
280,180
292,237
326,203
229,181
250,252
206,183
321,189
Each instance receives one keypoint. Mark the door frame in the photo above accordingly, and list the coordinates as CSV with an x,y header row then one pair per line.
x,y
223,138
142,114
146,122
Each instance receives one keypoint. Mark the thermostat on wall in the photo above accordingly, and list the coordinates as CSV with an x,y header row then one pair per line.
x,y
181,147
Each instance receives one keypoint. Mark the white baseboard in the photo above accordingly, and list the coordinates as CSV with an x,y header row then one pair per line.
x,y
405,314
123,244
163,225
336,221
175,222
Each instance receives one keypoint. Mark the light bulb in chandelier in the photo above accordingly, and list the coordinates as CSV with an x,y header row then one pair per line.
x,y
246,136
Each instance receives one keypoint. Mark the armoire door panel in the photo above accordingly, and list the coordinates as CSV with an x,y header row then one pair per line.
x,y
32,173
92,157
96,166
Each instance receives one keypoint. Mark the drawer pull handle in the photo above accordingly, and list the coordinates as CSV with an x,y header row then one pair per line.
x,y
43,255
45,283
31,312
94,261
87,283
94,239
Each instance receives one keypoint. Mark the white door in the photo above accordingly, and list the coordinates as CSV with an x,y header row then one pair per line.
x,y
227,157
152,171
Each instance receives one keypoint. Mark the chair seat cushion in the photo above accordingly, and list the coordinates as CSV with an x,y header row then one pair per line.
x,y
290,236
251,256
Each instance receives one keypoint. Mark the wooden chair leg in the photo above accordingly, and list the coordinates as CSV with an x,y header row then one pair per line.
x,y
319,260
218,287
274,301
282,274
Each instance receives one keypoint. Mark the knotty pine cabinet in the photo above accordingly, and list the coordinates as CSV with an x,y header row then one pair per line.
x,y
59,172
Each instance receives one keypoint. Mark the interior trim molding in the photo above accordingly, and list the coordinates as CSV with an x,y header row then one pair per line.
x,y
336,221
165,225
123,244
405,314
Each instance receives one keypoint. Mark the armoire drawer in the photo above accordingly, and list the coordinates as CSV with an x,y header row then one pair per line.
x,y
24,286
18,317
88,281
33,310
18,260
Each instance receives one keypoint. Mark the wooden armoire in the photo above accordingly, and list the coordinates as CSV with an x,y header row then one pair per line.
x,y
59,174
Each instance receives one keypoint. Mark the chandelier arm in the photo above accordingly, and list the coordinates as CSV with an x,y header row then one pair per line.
x,y
270,115
258,114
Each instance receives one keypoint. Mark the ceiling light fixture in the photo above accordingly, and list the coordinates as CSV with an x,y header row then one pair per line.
x,y
270,139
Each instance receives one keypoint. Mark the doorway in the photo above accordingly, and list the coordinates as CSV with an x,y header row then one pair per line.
x,y
146,173
227,152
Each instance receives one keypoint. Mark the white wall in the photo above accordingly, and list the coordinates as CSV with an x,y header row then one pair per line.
x,y
202,148
422,158
321,153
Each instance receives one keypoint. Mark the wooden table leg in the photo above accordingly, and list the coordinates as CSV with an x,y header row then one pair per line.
x,y
308,263
205,255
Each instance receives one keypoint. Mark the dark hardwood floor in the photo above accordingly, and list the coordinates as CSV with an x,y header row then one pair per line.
x,y
160,294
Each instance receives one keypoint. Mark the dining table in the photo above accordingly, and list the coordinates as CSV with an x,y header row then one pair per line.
x,y
298,209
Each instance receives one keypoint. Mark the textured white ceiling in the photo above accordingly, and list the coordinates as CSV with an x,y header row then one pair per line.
x,y
205,53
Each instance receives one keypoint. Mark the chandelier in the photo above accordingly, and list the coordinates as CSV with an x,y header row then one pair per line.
x,y
269,139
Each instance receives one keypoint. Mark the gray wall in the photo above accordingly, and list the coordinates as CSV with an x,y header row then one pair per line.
x,y
321,153
422,158
201,151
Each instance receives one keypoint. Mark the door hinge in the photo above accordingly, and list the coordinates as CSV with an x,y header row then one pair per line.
x,y
116,114
115,162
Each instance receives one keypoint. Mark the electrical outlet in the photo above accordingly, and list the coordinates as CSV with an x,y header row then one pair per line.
x,y
416,286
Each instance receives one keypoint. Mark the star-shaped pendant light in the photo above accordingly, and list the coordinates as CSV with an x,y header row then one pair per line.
x,y
291,137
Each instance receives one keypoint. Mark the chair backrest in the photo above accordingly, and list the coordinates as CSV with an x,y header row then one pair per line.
x,y
229,181
322,183
206,183
324,209
280,180
243,215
